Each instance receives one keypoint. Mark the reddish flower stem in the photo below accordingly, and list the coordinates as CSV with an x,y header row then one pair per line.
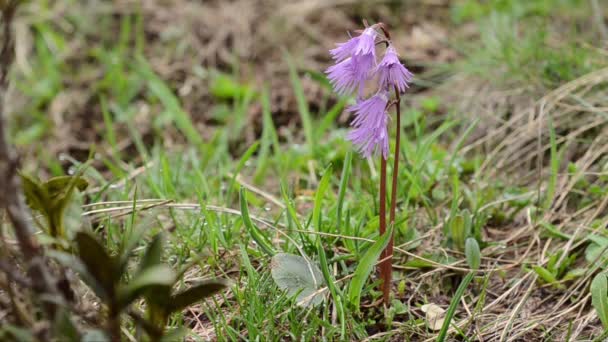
x,y
386,267
384,275
388,252
395,162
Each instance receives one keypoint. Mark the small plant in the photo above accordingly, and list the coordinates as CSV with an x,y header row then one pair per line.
x,y
52,199
164,301
108,276
557,271
357,67
461,227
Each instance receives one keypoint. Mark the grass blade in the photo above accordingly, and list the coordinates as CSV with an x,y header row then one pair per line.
x,y
343,185
269,138
331,285
555,161
302,103
291,211
453,304
239,167
321,190
366,264
256,234
171,103
330,117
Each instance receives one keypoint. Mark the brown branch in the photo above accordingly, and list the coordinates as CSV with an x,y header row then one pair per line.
x,y
14,275
10,183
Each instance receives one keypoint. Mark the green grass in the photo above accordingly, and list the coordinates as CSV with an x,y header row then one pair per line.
x,y
229,209
534,43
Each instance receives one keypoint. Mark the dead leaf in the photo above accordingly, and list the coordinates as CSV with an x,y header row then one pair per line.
x,y
435,315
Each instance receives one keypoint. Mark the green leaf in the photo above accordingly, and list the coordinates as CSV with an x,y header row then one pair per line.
x,y
61,185
453,304
176,334
196,293
153,253
60,190
411,236
599,297
598,245
36,196
297,275
73,221
366,264
225,87
157,305
51,199
10,332
97,261
256,234
75,264
159,276
65,328
437,258
471,251
458,231
546,276
574,274
552,231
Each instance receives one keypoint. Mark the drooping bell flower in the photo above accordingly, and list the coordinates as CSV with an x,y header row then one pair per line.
x,y
355,59
359,45
391,73
370,134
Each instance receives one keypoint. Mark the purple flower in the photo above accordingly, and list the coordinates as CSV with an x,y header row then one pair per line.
x,y
350,74
355,60
391,72
370,133
342,77
360,45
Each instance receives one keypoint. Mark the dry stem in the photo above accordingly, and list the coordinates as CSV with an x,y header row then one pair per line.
x,y
10,188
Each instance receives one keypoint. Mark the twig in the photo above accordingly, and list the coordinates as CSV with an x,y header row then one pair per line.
x,y
10,188
517,309
598,18
14,275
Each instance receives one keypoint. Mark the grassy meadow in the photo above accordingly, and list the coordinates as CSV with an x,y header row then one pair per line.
x,y
212,123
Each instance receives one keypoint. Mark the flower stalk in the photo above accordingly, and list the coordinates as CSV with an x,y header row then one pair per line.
x,y
356,65
388,252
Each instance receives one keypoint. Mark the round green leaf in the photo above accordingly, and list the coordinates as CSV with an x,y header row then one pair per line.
x,y
298,275
472,253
